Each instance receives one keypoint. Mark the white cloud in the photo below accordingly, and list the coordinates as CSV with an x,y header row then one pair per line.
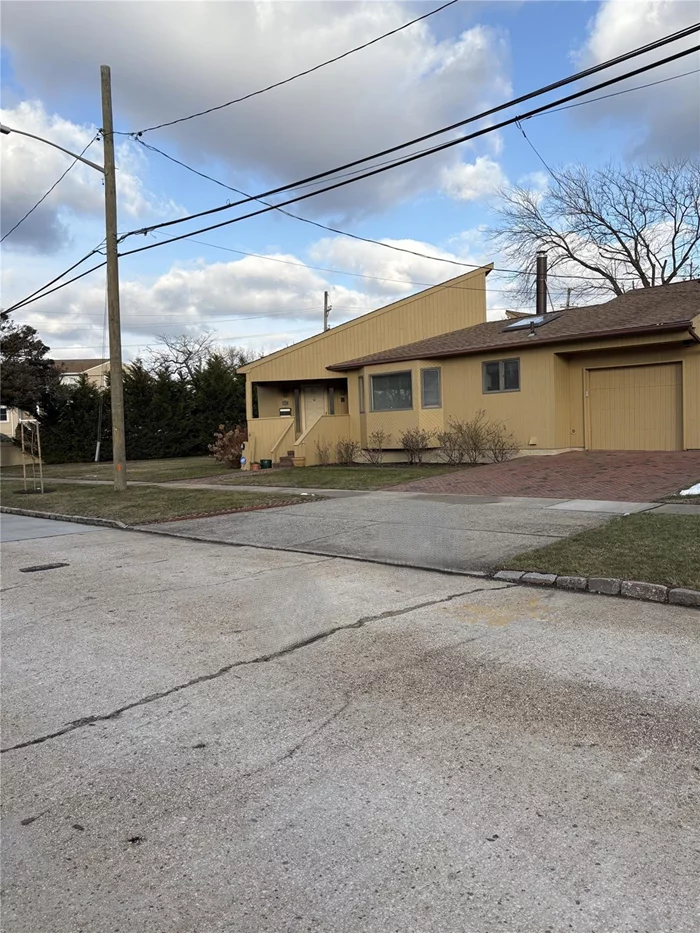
x,y
30,168
473,181
250,301
668,113
170,59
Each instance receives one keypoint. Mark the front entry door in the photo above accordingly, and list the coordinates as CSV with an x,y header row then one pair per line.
x,y
314,404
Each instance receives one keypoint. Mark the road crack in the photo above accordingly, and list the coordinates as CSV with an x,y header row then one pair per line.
x,y
86,721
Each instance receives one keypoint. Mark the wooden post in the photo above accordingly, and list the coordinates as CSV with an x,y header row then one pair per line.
x,y
115,339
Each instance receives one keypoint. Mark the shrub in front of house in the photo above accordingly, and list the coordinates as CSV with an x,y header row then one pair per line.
x,y
475,440
228,446
378,441
416,441
323,452
346,450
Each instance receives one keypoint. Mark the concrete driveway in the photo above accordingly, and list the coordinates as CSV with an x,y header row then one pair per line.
x,y
436,532
204,738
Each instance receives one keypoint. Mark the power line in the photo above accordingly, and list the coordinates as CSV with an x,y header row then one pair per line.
x,y
536,112
442,146
300,74
359,275
480,116
45,196
323,226
638,87
223,337
532,146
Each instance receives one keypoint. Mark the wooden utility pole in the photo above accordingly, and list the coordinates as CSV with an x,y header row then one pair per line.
x,y
115,338
326,310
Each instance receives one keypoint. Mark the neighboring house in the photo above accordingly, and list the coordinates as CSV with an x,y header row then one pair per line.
x,y
621,375
10,454
96,371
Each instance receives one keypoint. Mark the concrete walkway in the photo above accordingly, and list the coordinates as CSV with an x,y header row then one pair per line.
x,y
433,532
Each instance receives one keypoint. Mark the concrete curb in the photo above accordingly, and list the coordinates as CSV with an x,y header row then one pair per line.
x,y
54,516
156,528
606,586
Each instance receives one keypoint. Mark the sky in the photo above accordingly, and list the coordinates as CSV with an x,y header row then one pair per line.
x,y
259,283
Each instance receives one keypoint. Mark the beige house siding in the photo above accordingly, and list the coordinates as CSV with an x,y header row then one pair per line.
x,y
460,302
548,413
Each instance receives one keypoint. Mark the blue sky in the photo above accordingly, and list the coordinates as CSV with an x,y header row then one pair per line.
x,y
171,58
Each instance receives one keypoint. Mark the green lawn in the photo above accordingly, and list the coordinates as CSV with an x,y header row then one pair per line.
x,y
338,477
652,548
139,504
146,471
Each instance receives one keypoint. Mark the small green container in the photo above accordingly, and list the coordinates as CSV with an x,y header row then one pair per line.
x,y
266,464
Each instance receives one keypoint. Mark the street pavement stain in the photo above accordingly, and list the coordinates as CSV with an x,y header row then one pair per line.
x,y
261,659
39,567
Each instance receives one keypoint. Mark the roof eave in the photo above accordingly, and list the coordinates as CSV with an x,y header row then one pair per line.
x,y
527,342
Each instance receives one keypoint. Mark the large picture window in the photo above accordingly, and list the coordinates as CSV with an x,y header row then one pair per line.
x,y
391,392
431,396
501,376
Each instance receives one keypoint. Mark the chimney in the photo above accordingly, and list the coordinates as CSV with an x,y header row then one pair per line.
x,y
541,282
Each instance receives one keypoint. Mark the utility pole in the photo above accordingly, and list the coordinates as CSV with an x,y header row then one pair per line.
x,y
115,338
326,311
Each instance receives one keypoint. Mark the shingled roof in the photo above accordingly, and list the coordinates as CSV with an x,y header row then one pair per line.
x,y
77,366
644,310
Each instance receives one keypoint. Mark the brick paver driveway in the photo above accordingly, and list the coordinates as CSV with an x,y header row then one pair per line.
x,y
630,476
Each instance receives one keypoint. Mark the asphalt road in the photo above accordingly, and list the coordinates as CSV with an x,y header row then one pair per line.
x,y
207,739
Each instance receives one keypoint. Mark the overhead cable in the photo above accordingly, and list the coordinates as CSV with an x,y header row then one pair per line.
x,y
480,116
300,74
407,159
45,196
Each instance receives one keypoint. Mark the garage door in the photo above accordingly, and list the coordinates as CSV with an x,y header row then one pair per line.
x,y
635,408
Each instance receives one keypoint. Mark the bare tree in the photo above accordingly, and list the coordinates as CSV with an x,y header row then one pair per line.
x,y
239,356
605,231
182,354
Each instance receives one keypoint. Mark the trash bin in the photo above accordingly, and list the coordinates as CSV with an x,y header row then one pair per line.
x,y
266,464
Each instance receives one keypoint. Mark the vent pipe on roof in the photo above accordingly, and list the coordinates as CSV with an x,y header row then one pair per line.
x,y
541,282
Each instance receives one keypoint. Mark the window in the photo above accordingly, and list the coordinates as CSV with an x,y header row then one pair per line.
x,y
430,388
361,392
392,392
3,413
331,400
501,376
536,320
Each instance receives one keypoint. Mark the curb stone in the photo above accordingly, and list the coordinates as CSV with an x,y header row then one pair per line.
x,y
56,517
606,586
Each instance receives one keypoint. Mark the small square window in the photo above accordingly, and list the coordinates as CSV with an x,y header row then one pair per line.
x,y
3,413
430,388
501,376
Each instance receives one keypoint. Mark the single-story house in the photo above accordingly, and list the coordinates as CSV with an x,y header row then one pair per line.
x,y
622,375
94,370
